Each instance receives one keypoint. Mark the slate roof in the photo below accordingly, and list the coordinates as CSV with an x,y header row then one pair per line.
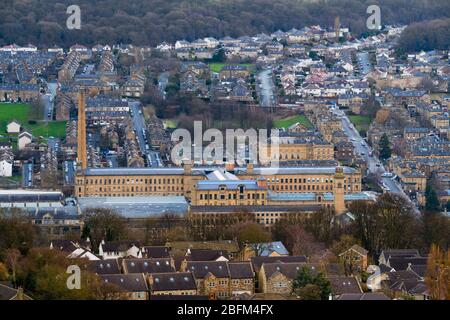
x,y
257,262
420,270
230,185
29,196
127,282
363,296
289,269
270,247
104,266
161,265
202,268
207,254
117,246
173,281
341,284
399,253
402,263
138,207
155,252
240,270
181,247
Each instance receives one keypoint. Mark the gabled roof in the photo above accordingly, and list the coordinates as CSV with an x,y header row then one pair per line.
x,y
271,247
341,284
360,250
104,266
207,254
155,252
257,262
240,270
68,245
25,134
419,270
173,281
201,269
228,245
147,265
127,282
402,263
363,296
289,269
117,246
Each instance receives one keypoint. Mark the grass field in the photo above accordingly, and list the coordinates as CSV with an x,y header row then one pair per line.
x,y
170,124
20,112
216,67
360,122
286,122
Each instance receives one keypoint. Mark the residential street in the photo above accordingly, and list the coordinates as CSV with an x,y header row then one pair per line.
x,y
266,89
27,175
373,163
48,99
153,157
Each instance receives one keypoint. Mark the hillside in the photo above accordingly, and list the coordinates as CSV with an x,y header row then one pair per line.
x,y
426,35
152,21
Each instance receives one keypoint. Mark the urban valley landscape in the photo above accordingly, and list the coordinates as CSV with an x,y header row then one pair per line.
x,y
301,163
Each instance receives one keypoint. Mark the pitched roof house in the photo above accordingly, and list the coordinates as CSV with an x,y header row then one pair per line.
x,y
129,286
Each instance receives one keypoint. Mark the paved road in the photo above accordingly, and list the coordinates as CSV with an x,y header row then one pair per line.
x,y
48,99
266,88
152,157
69,168
363,61
27,175
374,165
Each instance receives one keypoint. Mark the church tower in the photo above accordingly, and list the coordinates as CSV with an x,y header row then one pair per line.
x,y
339,191
81,133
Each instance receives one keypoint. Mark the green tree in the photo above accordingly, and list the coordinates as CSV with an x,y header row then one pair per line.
x,y
431,199
309,292
437,276
321,225
3,272
254,235
42,273
306,277
103,224
435,230
219,56
387,223
385,147
16,231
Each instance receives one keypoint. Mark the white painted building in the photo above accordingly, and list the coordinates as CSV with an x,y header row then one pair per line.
x,y
6,167
24,139
115,250
13,127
